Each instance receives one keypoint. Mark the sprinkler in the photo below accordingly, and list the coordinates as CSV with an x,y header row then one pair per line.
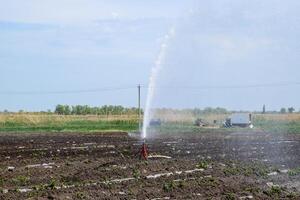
x,y
144,151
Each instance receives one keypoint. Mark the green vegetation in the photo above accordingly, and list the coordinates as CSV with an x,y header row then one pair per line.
x,y
172,185
294,172
136,173
2,181
169,186
72,119
87,110
203,164
278,125
209,182
274,191
80,195
186,127
70,180
230,196
117,118
20,180
57,123
256,169
52,185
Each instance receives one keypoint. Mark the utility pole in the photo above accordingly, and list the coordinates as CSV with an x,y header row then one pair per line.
x,y
264,109
139,107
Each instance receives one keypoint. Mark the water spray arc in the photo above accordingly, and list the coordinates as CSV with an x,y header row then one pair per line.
x,y
153,80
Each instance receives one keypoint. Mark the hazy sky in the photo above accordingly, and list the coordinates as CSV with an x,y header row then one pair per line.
x,y
72,45
240,54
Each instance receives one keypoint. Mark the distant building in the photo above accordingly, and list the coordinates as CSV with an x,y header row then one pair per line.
x,y
239,119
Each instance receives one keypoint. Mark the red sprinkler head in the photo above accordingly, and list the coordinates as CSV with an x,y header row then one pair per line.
x,y
144,151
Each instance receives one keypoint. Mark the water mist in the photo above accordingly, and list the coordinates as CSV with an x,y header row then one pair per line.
x,y
153,80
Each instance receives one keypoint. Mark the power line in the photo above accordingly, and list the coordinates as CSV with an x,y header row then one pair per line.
x,y
267,85
108,89
96,90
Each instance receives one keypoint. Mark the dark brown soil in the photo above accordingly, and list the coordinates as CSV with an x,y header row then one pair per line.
x,y
107,166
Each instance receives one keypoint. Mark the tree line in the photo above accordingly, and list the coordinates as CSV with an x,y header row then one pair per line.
x,y
288,110
88,110
120,110
282,110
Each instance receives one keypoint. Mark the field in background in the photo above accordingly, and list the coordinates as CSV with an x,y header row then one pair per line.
x,y
180,122
66,123
270,122
278,123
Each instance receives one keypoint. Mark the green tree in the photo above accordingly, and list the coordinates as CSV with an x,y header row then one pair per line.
x,y
87,110
282,110
59,109
67,110
291,109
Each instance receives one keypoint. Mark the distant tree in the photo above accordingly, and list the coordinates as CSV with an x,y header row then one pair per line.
x,y
219,110
208,110
282,110
67,110
5,111
196,111
87,110
79,110
291,109
264,109
59,109
73,110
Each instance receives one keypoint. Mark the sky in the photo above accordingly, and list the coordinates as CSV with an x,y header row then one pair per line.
x,y
234,54
50,48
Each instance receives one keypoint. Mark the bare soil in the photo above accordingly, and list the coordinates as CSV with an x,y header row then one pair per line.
x,y
107,166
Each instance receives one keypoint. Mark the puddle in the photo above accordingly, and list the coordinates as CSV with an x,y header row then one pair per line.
x,y
284,171
89,144
271,184
25,190
171,173
44,165
194,170
80,148
246,197
106,146
11,168
171,142
159,156
119,180
159,175
272,174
